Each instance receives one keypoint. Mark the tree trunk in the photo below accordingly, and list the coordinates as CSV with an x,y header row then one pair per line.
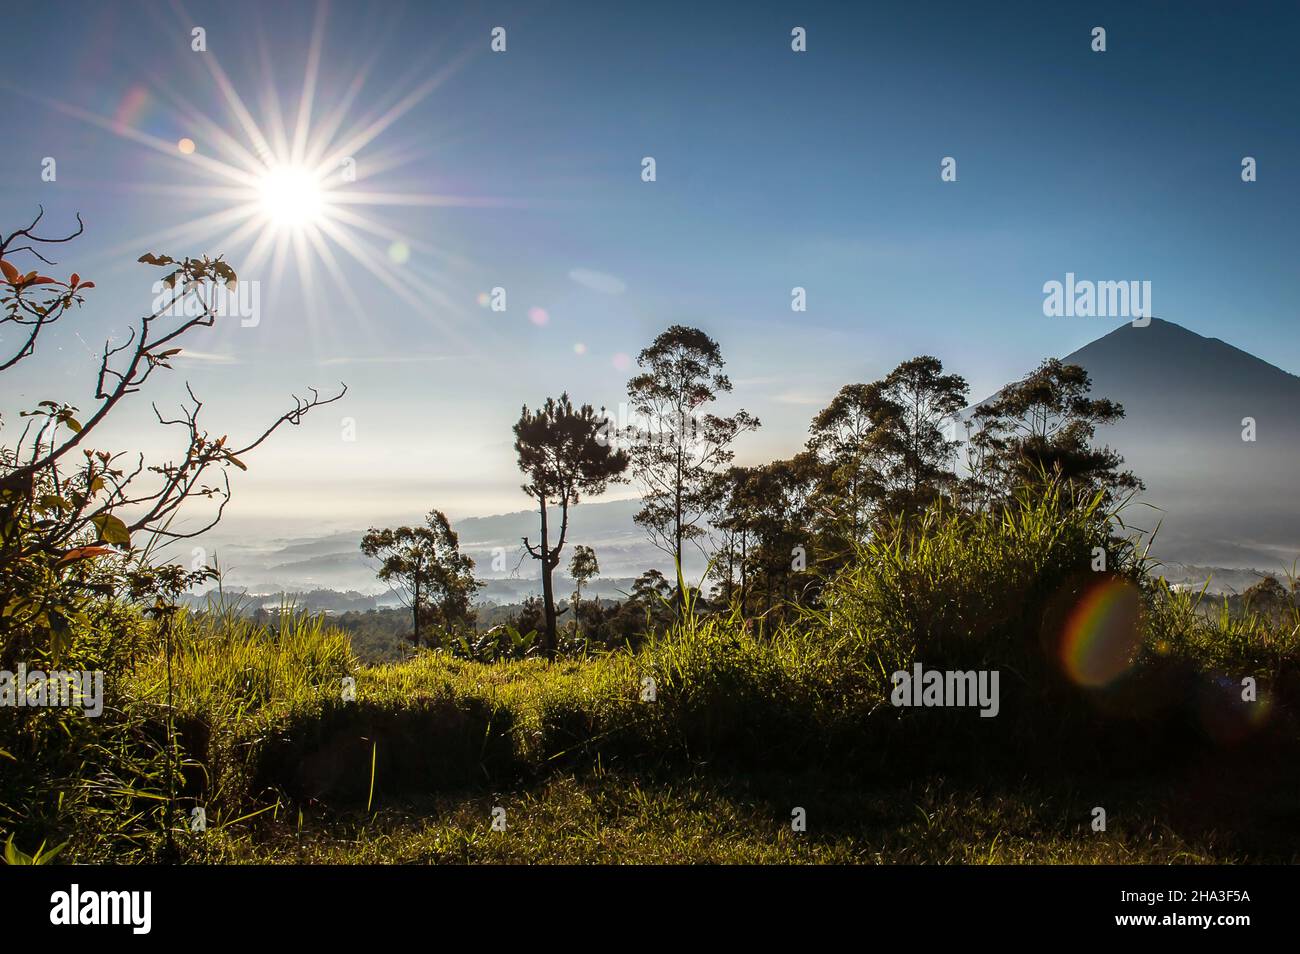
x,y
731,569
415,612
548,592
744,580
677,557
548,598
677,524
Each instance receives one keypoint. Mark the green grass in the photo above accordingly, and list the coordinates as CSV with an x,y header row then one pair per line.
x,y
604,817
743,726
226,667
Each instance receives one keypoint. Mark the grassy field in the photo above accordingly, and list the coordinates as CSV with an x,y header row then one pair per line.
x,y
605,817
700,745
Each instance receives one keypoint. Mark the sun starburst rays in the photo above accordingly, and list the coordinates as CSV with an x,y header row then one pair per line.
x,y
274,192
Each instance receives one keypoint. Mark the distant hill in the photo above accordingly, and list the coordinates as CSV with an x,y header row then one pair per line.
x,y
621,546
1226,502
334,561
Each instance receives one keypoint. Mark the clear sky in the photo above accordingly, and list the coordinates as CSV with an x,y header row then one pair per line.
x,y
522,170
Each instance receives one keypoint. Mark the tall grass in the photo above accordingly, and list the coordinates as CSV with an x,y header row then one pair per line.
x,y
226,666
960,585
262,718
1203,632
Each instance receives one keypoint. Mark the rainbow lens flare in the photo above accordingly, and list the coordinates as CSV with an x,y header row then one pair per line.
x,y
1102,633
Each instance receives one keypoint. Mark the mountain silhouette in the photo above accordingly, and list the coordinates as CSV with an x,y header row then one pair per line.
x,y
1224,500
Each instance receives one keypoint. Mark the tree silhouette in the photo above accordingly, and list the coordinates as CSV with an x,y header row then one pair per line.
x,y
583,567
1042,427
1267,597
733,518
852,438
426,570
921,458
563,453
679,452
776,498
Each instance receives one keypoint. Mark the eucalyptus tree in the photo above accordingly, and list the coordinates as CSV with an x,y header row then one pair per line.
x,y
920,455
679,449
1043,427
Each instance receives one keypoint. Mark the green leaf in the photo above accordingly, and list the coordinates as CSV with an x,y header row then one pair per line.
x,y
112,530
44,857
13,856
60,635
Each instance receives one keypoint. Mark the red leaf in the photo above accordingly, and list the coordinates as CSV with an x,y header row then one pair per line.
x,y
85,553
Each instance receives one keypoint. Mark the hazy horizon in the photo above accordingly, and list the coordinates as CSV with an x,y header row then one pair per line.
x,y
521,170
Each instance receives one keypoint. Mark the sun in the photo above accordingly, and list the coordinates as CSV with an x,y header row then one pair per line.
x,y
291,197
273,189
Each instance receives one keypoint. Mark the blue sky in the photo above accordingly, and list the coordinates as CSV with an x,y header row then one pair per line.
x,y
774,170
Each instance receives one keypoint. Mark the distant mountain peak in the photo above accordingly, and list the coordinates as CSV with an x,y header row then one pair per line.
x,y
1224,498
1165,351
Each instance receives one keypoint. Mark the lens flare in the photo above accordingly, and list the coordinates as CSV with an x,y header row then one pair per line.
x,y
1102,633
133,108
